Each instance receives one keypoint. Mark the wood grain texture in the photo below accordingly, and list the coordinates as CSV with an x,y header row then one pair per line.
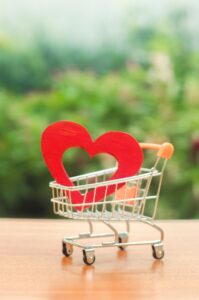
x,y
32,266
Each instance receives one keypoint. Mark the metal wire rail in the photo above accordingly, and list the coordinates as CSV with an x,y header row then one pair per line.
x,y
135,199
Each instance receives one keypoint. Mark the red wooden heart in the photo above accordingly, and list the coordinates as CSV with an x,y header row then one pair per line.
x,y
60,136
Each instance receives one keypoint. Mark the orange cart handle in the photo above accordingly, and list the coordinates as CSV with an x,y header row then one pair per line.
x,y
165,150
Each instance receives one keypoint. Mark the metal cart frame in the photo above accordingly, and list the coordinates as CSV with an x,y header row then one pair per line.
x,y
112,208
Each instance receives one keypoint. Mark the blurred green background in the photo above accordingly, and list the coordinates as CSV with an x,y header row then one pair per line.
x,y
135,69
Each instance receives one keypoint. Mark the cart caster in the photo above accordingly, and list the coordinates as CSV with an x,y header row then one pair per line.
x,y
123,238
158,252
67,249
88,256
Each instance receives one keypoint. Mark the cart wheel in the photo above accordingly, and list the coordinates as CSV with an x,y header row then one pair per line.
x,y
158,252
67,249
121,247
123,238
88,258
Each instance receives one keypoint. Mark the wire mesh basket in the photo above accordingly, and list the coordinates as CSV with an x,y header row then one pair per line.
x,y
133,198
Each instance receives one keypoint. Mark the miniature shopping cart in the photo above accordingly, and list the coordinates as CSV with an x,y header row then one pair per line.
x,y
128,203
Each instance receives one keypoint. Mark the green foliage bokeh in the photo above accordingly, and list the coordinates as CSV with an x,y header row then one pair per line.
x,y
150,90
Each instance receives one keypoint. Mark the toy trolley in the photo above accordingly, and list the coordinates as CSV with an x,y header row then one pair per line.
x,y
128,203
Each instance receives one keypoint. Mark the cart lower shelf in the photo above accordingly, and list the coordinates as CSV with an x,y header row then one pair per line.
x,y
120,240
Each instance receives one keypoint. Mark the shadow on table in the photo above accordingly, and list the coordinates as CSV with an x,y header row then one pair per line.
x,y
114,278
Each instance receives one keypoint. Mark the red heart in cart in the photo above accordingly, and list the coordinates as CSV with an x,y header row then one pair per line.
x,y
60,136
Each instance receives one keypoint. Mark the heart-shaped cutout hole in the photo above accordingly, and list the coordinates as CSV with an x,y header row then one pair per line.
x,y
78,162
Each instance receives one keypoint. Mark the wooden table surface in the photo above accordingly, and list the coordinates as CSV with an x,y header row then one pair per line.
x,y
32,266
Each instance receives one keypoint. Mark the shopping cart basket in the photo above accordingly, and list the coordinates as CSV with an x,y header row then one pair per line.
x,y
128,203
